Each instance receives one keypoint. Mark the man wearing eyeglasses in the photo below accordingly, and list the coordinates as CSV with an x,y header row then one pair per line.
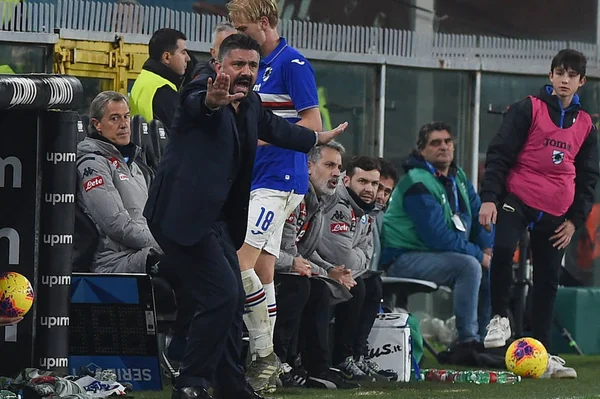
x,y
431,232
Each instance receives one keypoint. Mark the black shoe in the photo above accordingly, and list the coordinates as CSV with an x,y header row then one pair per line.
x,y
373,369
330,379
350,371
190,393
294,378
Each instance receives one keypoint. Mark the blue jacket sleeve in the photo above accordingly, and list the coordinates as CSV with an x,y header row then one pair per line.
x,y
479,236
430,225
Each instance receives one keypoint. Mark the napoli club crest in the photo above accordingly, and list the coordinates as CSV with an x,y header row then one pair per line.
x,y
557,157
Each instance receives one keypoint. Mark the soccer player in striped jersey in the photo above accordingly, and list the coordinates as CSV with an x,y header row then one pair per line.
x,y
286,85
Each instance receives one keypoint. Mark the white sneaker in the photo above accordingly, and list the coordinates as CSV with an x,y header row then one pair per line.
x,y
498,332
556,368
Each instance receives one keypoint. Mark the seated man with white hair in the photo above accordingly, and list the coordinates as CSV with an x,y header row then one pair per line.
x,y
113,190
304,303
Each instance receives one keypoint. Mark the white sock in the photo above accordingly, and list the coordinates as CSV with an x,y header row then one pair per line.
x,y
256,315
271,304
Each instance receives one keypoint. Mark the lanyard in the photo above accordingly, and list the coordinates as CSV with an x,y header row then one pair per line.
x,y
456,209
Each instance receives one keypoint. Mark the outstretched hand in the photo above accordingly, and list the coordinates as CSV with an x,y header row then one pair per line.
x,y
327,136
217,92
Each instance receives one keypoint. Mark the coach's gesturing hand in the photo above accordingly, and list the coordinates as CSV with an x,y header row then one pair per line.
x,y
327,136
218,92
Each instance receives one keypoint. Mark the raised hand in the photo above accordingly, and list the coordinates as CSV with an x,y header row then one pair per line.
x,y
217,92
327,136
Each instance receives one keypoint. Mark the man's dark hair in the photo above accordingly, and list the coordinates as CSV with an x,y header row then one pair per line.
x,y
237,41
388,170
426,130
164,39
569,58
361,161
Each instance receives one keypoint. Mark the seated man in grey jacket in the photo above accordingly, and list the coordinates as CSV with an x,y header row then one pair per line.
x,y
303,303
113,191
347,241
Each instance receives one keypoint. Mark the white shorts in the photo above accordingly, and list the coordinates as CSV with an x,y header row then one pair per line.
x,y
267,213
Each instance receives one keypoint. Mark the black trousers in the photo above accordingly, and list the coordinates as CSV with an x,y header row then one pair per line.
x,y
211,278
546,262
166,280
355,317
303,314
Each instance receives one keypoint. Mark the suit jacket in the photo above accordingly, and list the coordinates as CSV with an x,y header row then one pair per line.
x,y
205,172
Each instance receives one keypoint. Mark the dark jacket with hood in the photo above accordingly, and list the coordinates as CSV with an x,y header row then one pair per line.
x,y
204,68
512,135
166,100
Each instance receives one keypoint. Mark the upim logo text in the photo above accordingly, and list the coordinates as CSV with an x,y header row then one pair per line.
x,y
51,281
55,239
50,362
56,157
57,198
52,321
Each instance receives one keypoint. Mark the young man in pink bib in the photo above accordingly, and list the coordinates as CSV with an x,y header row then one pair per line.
x,y
541,173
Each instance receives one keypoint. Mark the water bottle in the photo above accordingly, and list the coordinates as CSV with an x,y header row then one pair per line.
x,y
487,377
506,377
437,375
470,376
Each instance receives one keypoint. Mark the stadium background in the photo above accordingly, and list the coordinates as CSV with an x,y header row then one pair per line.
x,y
387,66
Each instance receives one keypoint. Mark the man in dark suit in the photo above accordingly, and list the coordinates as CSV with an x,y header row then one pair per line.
x,y
198,209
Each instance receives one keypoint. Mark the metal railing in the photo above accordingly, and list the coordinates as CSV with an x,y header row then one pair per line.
x,y
319,41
